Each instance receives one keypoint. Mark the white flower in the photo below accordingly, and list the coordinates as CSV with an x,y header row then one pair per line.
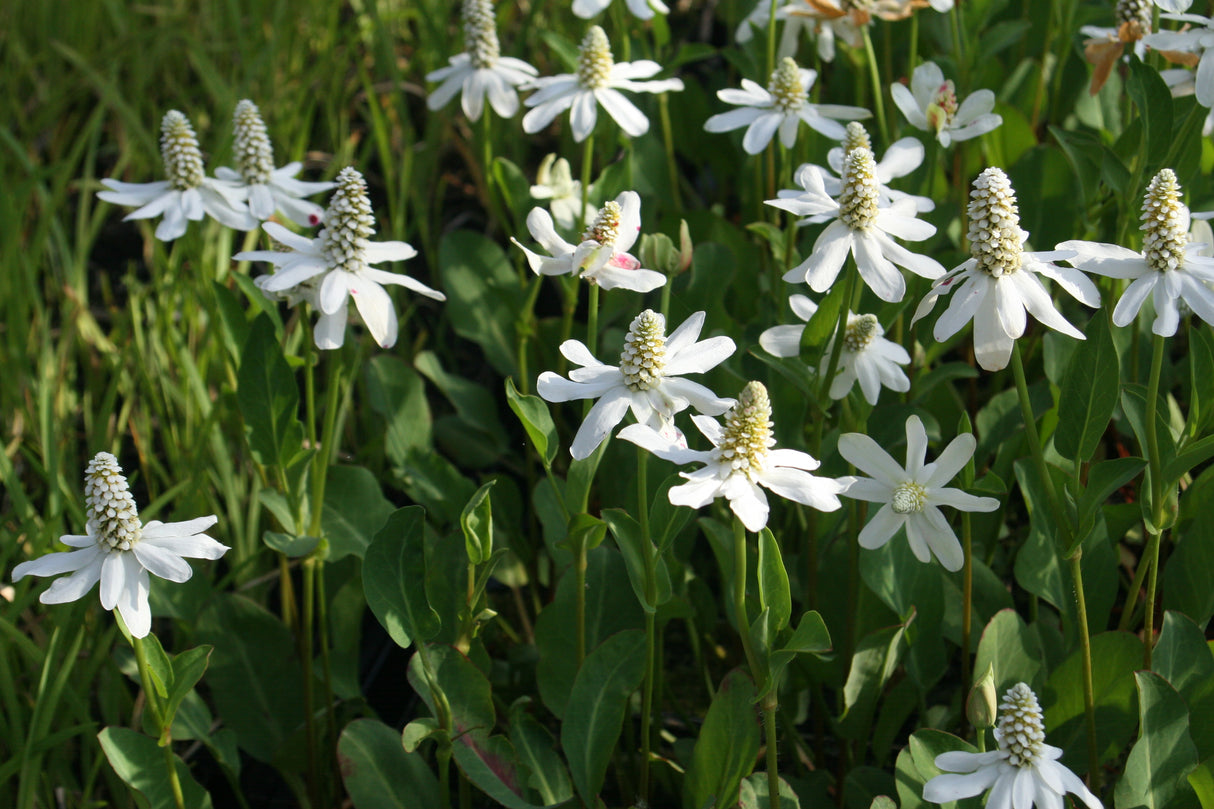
x,y
823,20
598,80
931,104
866,355
554,182
1170,268
643,9
481,70
1024,772
269,189
943,6
119,551
999,283
742,460
912,495
1183,82
862,227
647,380
335,266
1192,45
188,194
602,257
781,107
901,158
1174,6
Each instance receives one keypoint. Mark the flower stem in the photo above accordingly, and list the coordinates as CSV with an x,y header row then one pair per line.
x,y
875,75
1085,643
1155,470
1061,524
739,594
651,597
668,142
166,732
592,319
770,704
579,571
832,364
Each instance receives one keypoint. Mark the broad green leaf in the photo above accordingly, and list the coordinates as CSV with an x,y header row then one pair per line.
x,y
483,295
468,692
1115,657
532,411
916,765
477,524
537,752
1134,402
419,730
774,592
355,510
139,762
394,578
159,665
611,607
474,434
1183,658
876,658
1164,754
1188,576
254,675
755,793
810,637
585,532
378,773
1013,650
1201,380
397,393
1104,478
289,545
268,398
595,713
627,535
1088,393
1202,782
188,668
726,748
666,520
822,323
1154,103
866,785
1194,453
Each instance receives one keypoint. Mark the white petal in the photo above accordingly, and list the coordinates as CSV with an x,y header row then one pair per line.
x,y
916,445
877,271
1132,299
952,787
162,562
582,116
802,487
939,536
375,307
334,289
866,455
113,578
760,132
133,600
625,113
601,420
963,306
824,263
881,528
782,341
747,501
909,107
70,588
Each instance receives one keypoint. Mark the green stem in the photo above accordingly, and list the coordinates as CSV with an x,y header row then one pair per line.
x,y
967,599
651,597
672,165
875,77
739,595
1155,470
165,733
1062,525
770,704
832,364
579,569
592,319
1089,697
305,653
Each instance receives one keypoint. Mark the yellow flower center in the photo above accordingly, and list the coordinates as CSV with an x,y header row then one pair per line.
x,y
858,199
994,230
180,152
594,59
908,498
606,225
860,332
112,514
644,353
747,438
943,106
786,87
1163,214
1021,726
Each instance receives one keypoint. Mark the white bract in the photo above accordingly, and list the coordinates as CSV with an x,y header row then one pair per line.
x,y
866,356
1192,44
119,551
863,227
999,284
912,494
554,182
481,71
780,108
1024,772
648,380
602,256
188,195
598,80
901,158
931,104
337,265
643,9
269,189
742,462
1170,269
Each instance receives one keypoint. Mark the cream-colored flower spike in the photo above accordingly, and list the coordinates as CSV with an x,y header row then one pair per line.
x,y
648,380
999,284
119,551
780,108
1024,772
481,71
742,463
269,189
188,194
338,265
598,81
1170,269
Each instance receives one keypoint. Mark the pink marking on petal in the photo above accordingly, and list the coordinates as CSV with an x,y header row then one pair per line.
x,y
624,261
313,219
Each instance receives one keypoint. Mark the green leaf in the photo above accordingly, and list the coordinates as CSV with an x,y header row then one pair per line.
x,y
355,510
727,746
1201,380
755,794
1104,478
822,323
537,752
139,762
532,411
188,668
378,773
394,578
810,637
627,535
159,665
254,676
774,591
476,520
1088,393
916,765
1183,658
397,393
597,703
289,544
268,398
1154,102
1194,453
1202,782
1188,576
1134,402
585,532
1164,754
666,520
1115,657
483,295
1013,650
876,658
